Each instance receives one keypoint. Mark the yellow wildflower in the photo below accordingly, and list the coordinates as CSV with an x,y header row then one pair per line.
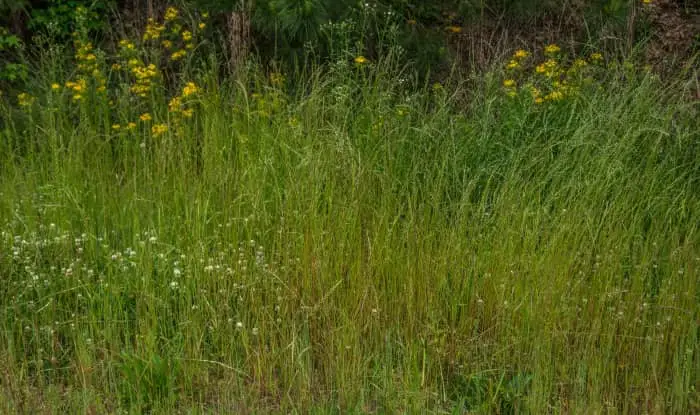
x,y
454,29
189,89
551,49
513,64
177,55
360,60
167,44
159,129
131,126
116,67
187,113
596,56
175,104
186,35
141,72
145,117
201,26
116,127
77,97
539,100
554,96
521,53
550,68
55,86
509,83
153,30
126,44
171,13
24,99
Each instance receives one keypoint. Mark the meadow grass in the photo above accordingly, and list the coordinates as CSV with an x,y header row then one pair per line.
x,y
354,246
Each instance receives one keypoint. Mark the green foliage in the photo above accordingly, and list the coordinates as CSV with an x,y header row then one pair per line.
x,y
12,6
60,18
12,69
149,380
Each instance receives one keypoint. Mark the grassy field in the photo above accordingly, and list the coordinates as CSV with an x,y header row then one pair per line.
x,y
350,244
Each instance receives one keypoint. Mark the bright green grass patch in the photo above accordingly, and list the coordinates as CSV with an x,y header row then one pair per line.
x,y
354,247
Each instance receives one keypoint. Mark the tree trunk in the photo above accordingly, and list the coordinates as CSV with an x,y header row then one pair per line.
x,y
238,24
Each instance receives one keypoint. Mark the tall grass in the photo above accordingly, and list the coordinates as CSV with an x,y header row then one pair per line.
x,y
361,247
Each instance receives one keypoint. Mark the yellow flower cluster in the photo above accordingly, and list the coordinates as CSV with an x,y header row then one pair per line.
x,y
518,59
78,87
189,89
551,49
361,60
134,68
177,55
521,54
159,129
550,68
87,61
126,44
153,30
556,95
171,33
88,71
171,14
553,79
144,75
177,106
510,87
536,94
25,100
